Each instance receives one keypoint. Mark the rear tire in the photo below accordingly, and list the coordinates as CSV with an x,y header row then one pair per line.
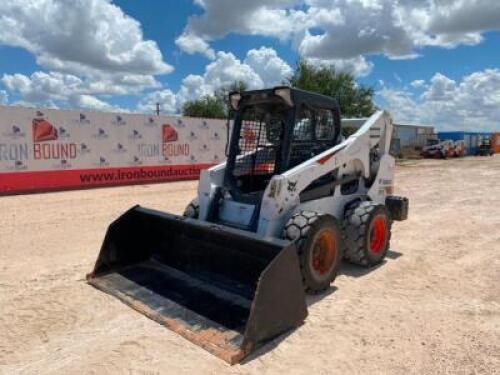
x,y
192,210
319,242
367,233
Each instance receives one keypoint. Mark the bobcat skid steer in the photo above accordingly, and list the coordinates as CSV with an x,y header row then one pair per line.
x,y
268,225
436,148
459,148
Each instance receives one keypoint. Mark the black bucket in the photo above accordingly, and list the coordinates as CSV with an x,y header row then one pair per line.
x,y
224,289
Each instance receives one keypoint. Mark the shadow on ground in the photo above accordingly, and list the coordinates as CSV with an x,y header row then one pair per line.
x,y
353,270
347,269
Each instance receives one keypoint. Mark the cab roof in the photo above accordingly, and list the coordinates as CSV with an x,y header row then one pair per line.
x,y
298,97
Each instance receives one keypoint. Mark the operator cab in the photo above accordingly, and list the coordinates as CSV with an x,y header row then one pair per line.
x,y
275,130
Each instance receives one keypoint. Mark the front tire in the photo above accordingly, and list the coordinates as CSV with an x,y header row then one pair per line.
x,y
319,242
367,233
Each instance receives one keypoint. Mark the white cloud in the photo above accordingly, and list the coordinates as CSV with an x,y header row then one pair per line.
x,y
441,88
56,89
193,87
88,47
471,103
91,102
264,17
343,30
81,36
271,69
43,88
192,44
464,16
358,66
227,69
4,97
166,98
261,68
418,83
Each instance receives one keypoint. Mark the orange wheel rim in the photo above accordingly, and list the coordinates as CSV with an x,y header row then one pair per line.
x,y
324,252
378,234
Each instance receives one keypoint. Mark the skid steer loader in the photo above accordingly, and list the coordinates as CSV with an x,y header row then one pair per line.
x,y
436,148
268,225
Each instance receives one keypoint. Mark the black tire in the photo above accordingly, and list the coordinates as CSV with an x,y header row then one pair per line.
x,y
192,210
319,242
366,239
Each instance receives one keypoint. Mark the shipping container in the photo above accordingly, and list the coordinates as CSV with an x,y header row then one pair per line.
x,y
472,139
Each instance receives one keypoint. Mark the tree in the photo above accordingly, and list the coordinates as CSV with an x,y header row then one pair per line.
x,y
355,100
224,91
213,106
208,106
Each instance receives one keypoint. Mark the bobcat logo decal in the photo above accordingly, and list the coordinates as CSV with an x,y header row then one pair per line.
x,y
292,186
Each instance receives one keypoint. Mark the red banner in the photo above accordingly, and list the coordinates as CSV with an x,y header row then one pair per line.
x,y
26,182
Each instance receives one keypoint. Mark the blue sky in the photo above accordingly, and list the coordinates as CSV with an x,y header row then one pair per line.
x,y
433,62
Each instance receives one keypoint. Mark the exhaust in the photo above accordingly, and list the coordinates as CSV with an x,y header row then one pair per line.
x,y
224,289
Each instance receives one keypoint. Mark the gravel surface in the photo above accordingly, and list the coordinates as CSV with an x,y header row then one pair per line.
x,y
432,308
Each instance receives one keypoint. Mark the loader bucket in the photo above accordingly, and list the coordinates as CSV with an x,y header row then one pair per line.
x,y
224,289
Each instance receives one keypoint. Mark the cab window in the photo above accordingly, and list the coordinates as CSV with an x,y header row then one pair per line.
x,y
303,129
325,126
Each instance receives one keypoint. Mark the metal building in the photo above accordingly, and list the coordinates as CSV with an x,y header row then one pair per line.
x,y
407,135
410,135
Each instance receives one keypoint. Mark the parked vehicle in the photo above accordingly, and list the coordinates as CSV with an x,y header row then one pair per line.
x,y
485,147
459,148
436,148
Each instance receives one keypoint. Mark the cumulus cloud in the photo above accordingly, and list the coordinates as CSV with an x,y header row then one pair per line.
x,y
344,30
192,44
227,69
80,36
266,17
358,66
87,47
165,98
268,65
42,88
261,68
418,83
464,16
91,102
57,89
471,103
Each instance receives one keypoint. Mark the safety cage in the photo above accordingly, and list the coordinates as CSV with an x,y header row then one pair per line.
x,y
275,132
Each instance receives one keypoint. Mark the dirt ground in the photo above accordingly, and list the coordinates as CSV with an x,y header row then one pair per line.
x,y
432,308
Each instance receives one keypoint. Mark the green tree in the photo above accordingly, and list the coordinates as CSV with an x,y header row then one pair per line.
x,y
213,106
223,93
355,100
208,106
